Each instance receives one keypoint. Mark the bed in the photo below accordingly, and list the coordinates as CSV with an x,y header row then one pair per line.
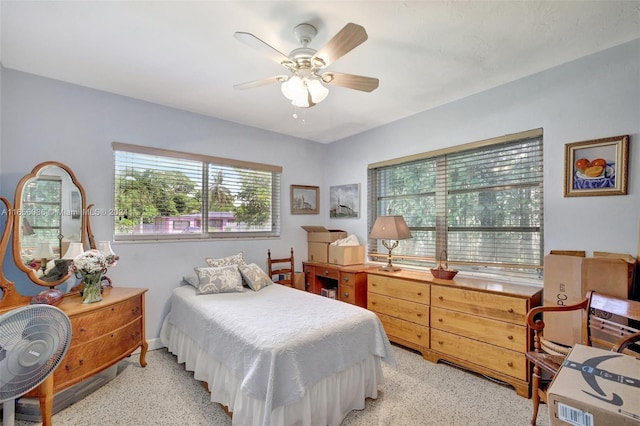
x,y
278,356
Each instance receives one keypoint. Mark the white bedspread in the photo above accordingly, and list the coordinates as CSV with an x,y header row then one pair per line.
x,y
279,342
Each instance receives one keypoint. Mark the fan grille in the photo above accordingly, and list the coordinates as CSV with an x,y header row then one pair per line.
x,y
33,341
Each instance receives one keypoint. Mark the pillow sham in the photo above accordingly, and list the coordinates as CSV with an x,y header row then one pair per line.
x,y
254,276
225,279
236,259
191,279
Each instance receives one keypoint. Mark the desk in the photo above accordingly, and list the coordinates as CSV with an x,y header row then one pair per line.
x,y
349,282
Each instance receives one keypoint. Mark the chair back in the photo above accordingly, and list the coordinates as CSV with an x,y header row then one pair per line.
x,y
610,319
281,270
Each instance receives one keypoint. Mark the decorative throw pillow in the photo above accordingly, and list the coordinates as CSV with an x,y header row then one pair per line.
x,y
236,259
226,279
255,277
191,279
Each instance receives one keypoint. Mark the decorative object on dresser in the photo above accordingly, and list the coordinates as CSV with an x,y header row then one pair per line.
x,y
349,282
474,323
444,273
91,266
34,339
608,323
282,269
390,229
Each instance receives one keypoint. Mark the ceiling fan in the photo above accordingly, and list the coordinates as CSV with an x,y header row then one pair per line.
x,y
305,85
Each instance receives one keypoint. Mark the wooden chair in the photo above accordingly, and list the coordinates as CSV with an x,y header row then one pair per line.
x,y
286,270
609,323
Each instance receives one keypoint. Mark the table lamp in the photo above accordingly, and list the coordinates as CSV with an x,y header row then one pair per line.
x,y
390,229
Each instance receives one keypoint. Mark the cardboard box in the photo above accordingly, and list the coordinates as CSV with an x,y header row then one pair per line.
x,y
328,292
298,281
567,278
595,387
346,255
320,234
318,239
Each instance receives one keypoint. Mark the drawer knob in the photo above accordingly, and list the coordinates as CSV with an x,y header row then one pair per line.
x,y
326,272
419,315
510,337
373,303
440,342
440,298
510,364
419,336
440,319
419,293
345,294
510,310
373,284
83,329
345,279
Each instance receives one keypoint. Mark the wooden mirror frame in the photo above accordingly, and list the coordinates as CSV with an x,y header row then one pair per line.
x,y
17,228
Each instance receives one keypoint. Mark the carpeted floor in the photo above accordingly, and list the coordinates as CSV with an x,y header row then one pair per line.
x,y
417,393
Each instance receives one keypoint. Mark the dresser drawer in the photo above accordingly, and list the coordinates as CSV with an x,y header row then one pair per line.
x,y
347,294
334,274
405,330
498,359
96,323
403,309
488,305
399,288
87,359
499,333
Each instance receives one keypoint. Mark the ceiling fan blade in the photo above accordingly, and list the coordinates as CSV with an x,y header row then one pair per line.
x,y
350,81
259,45
263,82
348,38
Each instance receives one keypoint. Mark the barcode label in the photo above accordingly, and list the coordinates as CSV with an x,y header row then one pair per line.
x,y
574,416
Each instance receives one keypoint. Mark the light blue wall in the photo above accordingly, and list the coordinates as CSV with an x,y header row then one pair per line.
x,y
594,97
47,120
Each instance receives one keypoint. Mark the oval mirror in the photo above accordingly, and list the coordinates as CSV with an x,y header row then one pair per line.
x,y
49,206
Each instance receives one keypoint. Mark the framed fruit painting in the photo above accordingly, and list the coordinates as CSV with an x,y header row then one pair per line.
x,y
596,167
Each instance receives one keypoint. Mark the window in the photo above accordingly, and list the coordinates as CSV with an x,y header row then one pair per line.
x,y
162,194
481,202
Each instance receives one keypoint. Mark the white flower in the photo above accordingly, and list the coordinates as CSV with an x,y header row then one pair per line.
x,y
91,261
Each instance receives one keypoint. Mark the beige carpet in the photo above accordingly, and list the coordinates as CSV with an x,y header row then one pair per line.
x,y
417,393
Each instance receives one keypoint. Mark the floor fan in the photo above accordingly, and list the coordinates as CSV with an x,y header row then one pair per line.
x,y
33,341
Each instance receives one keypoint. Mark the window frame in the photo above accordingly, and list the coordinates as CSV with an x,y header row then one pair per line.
x,y
205,220
441,226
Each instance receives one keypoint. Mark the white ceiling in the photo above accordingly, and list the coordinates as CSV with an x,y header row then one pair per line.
x,y
183,54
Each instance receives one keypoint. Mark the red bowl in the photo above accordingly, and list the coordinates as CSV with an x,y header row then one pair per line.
x,y
443,274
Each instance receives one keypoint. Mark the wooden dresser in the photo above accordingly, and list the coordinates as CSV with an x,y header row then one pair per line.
x,y
349,282
476,323
103,333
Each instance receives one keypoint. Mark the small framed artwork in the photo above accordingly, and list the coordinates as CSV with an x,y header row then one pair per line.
x,y
344,201
597,167
305,199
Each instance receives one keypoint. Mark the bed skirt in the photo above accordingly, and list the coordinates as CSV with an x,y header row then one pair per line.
x,y
325,403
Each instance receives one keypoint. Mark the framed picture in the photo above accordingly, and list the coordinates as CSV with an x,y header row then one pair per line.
x,y
344,201
305,199
596,167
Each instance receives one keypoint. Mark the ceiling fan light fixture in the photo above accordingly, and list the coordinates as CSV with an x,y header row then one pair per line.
x,y
304,92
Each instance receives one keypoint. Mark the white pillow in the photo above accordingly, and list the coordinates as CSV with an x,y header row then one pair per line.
x,y
226,279
255,277
236,259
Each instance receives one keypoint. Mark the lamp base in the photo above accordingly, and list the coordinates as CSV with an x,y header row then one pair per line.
x,y
389,268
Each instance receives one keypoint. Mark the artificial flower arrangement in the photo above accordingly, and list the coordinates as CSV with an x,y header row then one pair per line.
x,y
91,266
91,262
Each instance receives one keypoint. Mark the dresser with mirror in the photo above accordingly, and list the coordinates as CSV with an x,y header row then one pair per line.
x,y
50,214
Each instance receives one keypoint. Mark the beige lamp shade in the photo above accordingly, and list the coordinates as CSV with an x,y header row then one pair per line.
x,y
74,250
104,247
390,228
43,251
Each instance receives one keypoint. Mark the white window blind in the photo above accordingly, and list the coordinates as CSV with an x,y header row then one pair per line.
x,y
162,194
482,203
